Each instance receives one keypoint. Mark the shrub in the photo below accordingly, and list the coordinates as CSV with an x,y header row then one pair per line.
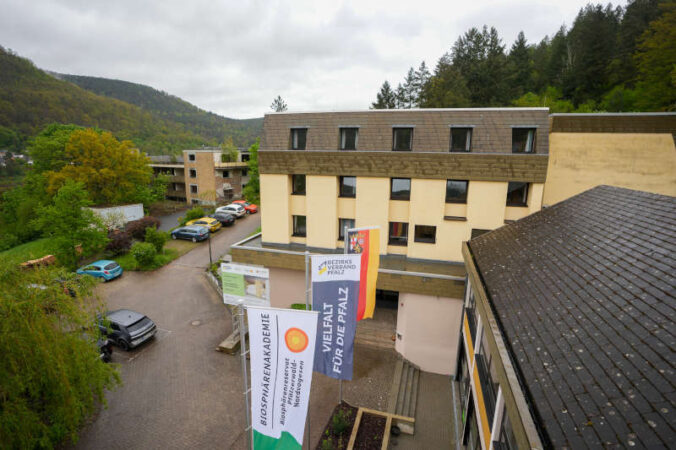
x,y
144,253
327,444
341,421
195,213
157,238
300,306
137,228
119,242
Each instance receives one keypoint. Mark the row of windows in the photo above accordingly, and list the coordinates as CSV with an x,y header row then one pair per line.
x,y
488,380
226,174
398,231
460,139
400,189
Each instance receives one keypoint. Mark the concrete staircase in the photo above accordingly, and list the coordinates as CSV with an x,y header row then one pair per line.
x,y
404,394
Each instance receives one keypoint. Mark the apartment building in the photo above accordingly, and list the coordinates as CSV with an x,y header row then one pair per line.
x,y
568,332
430,179
204,176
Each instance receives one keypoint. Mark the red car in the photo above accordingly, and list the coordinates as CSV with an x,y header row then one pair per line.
x,y
249,207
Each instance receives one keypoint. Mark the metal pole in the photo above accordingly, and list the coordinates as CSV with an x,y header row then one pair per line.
x,y
210,261
346,244
245,380
307,308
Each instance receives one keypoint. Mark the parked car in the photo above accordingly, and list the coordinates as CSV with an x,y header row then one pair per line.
x,y
234,209
127,328
213,224
225,218
192,233
104,268
249,207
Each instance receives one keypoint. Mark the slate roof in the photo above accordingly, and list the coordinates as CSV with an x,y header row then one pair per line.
x,y
585,295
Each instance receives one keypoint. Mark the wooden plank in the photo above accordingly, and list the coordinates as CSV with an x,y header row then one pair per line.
x,y
386,435
355,429
386,414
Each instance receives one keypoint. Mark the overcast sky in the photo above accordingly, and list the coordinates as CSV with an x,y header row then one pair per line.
x,y
233,57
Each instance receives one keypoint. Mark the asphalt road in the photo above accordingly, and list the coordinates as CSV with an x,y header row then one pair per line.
x,y
178,391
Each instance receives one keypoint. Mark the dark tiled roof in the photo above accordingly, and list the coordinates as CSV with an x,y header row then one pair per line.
x,y
584,292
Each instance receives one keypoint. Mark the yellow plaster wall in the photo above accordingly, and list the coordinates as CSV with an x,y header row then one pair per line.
x,y
372,206
275,216
429,328
427,208
580,161
346,208
297,204
486,204
399,211
322,207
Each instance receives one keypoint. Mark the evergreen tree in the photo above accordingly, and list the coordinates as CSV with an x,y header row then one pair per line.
x,y
593,45
637,16
385,99
446,88
278,105
410,96
520,66
559,63
422,77
400,97
655,57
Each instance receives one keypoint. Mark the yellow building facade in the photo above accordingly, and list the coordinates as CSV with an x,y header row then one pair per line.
x,y
429,179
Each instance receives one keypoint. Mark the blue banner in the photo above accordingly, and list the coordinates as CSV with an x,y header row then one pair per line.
x,y
335,293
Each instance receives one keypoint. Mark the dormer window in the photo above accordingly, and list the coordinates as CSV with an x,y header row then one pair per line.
x,y
298,138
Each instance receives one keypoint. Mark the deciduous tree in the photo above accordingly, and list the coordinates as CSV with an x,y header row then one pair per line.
x,y
113,172
71,225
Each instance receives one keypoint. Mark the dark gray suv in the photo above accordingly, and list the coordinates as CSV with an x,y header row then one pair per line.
x,y
128,329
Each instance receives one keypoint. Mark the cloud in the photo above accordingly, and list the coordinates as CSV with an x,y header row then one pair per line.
x,y
233,58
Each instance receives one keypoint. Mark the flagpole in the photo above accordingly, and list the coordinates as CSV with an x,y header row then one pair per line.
x,y
307,308
340,382
243,352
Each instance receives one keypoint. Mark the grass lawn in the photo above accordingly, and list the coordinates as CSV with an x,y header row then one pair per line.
x,y
30,250
172,250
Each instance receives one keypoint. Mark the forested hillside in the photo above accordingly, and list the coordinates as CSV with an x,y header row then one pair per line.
x,y
610,59
31,99
200,122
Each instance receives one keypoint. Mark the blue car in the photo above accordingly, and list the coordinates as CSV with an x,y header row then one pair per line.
x,y
102,269
192,233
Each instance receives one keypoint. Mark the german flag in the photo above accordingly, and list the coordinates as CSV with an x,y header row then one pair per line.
x,y
367,242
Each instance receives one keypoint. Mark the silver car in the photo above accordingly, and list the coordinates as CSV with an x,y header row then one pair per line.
x,y
234,209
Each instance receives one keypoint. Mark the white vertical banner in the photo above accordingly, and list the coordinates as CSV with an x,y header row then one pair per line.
x,y
282,347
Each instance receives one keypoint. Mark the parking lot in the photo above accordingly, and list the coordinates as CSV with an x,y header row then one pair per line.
x,y
178,391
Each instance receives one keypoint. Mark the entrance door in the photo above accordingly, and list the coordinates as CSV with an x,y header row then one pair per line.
x,y
381,330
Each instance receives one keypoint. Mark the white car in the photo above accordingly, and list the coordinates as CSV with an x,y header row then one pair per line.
x,y
234,209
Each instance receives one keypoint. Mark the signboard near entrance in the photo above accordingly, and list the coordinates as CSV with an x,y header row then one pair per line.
x,y
248,283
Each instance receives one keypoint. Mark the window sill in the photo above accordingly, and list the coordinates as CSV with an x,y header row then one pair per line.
x,y
456,218
460,151
298,193
398,244
299,235
517,205
347,196
401,199
453,202
420,241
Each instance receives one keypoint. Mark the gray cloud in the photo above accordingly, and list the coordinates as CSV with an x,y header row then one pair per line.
x,y
234,57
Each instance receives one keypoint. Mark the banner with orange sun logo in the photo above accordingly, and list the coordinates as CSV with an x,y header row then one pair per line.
x,y
335,294
282,347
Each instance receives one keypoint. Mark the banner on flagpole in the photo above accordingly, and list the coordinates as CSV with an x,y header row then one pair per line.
x,y
335,291
366,242
282,346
